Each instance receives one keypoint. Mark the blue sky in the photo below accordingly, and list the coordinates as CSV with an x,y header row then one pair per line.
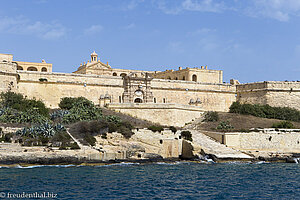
x,y
250,40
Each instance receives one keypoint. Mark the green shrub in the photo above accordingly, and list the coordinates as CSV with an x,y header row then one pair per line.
x,y
67,103
187,135
225,125
82,110
61,136
211,116
114,119
10,115
6,138
90,139
43,79
266,111
20,103
173,129
104,136
156,128
283,124
74,146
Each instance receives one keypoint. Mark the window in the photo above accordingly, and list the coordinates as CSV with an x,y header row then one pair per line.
x,y
123,74
176,78
154,100
19,68
115,74
164,100
183,78
169,78
44,69
194,78
120,99
32,69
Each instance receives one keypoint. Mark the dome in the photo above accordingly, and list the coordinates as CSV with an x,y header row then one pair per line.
x,y
94,54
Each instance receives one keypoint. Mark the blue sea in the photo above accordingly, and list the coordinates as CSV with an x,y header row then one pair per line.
x,y
180,180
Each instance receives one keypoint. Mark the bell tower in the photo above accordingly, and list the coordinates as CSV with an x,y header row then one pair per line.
x,y
94,57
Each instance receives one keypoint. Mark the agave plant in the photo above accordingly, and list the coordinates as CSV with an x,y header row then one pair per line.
x,y
44,130
59,114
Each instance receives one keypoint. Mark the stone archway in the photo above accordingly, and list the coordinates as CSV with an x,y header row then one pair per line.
x,y
138,100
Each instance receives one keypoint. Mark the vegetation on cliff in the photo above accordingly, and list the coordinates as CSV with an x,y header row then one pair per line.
x,y
15,108
266,111
211,116
187,135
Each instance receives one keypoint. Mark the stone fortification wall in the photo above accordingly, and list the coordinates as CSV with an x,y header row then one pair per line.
x,y
164,114
274,93
265,140
8,76
51,87
216,97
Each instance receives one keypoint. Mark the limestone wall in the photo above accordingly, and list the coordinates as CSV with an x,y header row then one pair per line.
x,y
216,97
164,114
201,75
6,57
58,85
50,87
271,141
274,93
264,140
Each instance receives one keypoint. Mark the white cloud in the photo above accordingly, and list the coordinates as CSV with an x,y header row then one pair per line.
x,y
203,5
280,10
94,29
133,4
191,5
23,26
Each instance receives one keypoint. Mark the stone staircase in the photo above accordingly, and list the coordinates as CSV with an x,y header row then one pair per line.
x,y
210,146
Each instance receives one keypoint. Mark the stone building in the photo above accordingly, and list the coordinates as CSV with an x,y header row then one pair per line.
x,y
183,92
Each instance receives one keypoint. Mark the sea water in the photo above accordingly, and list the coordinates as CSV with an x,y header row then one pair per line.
x,y
181,180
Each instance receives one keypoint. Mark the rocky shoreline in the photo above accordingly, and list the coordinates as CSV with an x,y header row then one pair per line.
x,y
12,161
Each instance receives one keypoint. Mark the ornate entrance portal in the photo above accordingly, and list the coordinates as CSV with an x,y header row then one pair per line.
x,y
137,88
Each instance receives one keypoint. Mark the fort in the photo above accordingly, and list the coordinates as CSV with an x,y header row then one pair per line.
x,y
171,96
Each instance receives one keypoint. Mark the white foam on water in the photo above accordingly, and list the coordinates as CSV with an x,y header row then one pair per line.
x,y
118,164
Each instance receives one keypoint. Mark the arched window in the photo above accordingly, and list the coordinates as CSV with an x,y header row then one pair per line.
x,y
120,99
32,69
138,100
194,78
115,74
44,69
183,78
19,68
123,74
169,78
164,100
176,78
154,100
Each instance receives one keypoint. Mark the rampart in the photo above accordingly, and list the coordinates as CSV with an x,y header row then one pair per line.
x,y
283,140
51,87
274,93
